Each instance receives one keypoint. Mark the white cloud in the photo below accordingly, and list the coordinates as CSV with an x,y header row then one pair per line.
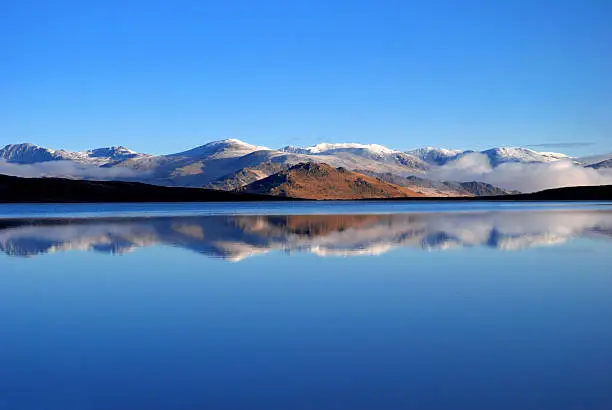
x,y
521,177
66,169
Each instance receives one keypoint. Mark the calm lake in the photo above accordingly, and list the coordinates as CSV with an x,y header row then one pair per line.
x,y
351,305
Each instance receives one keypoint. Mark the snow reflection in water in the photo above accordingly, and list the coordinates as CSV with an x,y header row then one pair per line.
x,y
235,237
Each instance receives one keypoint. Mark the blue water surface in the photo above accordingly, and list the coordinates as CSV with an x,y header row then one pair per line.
x,y
279,208
503,307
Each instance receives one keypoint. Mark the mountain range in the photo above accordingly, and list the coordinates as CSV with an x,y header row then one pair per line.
x,y
232,164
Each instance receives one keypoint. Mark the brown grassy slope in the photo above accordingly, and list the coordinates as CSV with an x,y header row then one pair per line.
x,y
321,181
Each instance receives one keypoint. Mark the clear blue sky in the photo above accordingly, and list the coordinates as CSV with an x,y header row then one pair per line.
x,y
161,77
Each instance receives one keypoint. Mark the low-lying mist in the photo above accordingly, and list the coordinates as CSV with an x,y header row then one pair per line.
x,y
66,169
519,176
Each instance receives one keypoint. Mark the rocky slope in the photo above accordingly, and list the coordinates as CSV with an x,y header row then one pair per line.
x,y
321,181
482,188
245,176
433,188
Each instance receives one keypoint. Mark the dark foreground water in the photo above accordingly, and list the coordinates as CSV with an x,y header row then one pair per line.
x,y
306,306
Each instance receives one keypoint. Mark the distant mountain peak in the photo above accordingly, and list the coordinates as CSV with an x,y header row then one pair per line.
x,y
27,153
234,143
22,144
226,148
112,150
434,149
437,156
502,155
325,147
509,150
110,153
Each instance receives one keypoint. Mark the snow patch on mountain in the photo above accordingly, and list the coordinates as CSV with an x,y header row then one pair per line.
x,y
438,156
497,156
27,153
372,157
503,155
227,148
327,148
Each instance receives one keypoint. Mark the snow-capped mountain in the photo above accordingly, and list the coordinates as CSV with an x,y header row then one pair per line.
x,y
113,153
28,154
228,148
353,153
436,156
503,155
327,148
31,154
497,156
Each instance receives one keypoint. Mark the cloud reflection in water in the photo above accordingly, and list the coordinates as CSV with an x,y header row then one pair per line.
x,y
235,238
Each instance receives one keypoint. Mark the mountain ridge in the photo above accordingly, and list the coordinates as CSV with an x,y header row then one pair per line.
x,y
231,163
27,153
233,146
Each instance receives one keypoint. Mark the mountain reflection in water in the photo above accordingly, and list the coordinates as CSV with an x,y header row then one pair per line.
x,y
234,238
